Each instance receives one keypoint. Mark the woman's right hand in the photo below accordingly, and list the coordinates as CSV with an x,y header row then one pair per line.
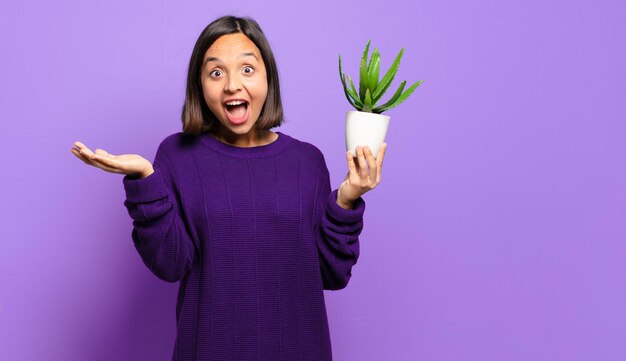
x,y
133,165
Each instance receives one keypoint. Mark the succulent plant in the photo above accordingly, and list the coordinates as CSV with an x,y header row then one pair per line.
x,y
370,89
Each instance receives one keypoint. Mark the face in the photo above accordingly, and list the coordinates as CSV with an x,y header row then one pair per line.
x,y
234,69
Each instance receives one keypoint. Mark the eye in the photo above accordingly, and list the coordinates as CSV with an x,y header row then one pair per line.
x,y
210,74
248,67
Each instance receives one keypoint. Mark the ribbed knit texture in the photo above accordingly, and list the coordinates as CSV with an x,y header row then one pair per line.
x,y
253,235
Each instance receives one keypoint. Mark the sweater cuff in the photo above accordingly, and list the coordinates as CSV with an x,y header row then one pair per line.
x,y
148,189
345,215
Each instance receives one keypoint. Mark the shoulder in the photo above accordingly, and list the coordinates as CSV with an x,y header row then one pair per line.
x,y
177,143
309,151
175,150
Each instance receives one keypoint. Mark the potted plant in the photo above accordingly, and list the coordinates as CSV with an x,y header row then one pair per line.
x,y
366,125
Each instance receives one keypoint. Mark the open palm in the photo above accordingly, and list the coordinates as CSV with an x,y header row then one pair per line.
x,y
130,164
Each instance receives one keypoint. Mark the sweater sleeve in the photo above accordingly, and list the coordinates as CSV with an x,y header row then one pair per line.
x,y
159,234
337,232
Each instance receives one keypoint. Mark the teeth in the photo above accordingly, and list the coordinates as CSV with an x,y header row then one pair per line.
x,y
236,102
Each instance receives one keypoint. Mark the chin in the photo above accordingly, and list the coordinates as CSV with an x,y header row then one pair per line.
x,y
242,129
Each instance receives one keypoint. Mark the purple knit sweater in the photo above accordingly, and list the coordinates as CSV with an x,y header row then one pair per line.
x,y
254,235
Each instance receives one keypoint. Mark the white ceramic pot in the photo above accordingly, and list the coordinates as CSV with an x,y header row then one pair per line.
x,y
364,128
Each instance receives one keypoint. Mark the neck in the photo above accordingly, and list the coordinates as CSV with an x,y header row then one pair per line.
x,y
254,137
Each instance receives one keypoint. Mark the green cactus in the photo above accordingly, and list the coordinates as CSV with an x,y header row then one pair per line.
x,y
370,88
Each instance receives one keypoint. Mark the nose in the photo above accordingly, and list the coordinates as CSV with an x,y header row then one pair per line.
x,y
232,84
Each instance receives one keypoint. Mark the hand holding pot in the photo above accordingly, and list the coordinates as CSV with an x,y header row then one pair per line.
x,y
360,179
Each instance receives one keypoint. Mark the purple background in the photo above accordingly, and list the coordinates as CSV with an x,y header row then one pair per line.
x,y
497,232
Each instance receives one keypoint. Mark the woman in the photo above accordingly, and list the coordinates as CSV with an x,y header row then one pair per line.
x,y
242,216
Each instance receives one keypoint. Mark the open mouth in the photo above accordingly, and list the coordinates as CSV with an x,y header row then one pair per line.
x,y
236,109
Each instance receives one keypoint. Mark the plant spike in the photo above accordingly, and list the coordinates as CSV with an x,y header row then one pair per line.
x,y
351,98
388,78
340,71
345,90
363,83
391,100
374,71
367,105
352,88
352,92
405,95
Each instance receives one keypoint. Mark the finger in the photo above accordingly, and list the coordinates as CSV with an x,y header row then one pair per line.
x,y
83,156
355,158
351,166
84,150
373,166
80,146
362,162
379,161
109,162
103,153
80,156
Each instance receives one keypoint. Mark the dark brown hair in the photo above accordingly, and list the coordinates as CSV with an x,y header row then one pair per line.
x,y
196,115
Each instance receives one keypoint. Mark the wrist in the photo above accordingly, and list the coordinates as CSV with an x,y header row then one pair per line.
x,y
141,175
343,204
147,173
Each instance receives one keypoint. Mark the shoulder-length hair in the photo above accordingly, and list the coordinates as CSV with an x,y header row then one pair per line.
x,y
196,115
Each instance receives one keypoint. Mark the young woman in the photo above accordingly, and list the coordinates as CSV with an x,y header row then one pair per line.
x,y
242,216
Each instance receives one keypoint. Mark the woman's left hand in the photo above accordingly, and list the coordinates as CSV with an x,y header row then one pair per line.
x,y
360,179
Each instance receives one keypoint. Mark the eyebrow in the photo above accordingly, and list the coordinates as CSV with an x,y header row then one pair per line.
x,y
211,58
